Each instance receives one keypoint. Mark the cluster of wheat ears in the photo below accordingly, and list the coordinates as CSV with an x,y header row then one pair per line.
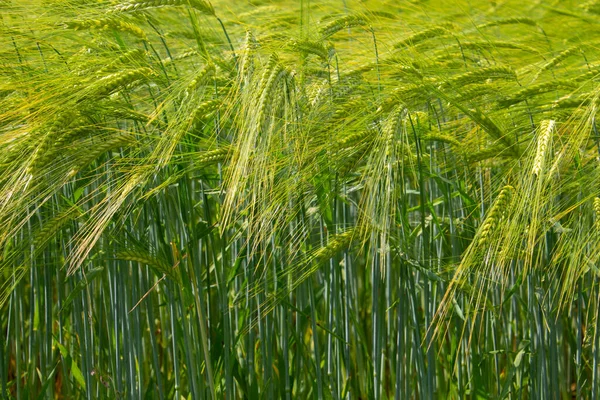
x,y
316,199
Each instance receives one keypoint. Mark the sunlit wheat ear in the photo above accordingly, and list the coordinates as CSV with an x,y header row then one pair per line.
x,y
334,245
307,47
436,136
539,89
545,134
202,76
246,63
44,152
557,60
53,226
353,139
131,56
591,72
266,101
427,34
490,45
106,24
479,76
214,156
202,111
114,82
115,142
495,213
509,21
339,24
481,255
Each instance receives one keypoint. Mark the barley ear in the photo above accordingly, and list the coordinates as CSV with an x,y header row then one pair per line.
x,y
545,133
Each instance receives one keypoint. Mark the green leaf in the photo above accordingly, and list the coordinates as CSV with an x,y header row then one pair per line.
x,y
77,193
71,364
82,284
42,393
519,358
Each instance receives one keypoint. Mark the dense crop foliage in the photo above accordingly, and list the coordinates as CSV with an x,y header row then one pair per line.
x,y
339,199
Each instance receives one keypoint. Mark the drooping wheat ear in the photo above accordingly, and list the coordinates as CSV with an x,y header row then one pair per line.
x,y
201,5
347,163
135,54
63,121
146,258
52,226
404,94
534,90
591,72
276,73
317,48
200,78
203,110
481,75
335,245
246,66
272,64
495,213
106,24
44,152
214,156
318,92
509,21
119,80
353,139
401,69
546,128
417,38
67,137
337,25
396,116
498,44
571,101
128,113
597,211
390,129
358,71
556,60
437,136
345,109
46,149
97,149
475,91
180,56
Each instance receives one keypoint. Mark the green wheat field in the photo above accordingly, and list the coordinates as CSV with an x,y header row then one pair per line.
x,y
277,199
